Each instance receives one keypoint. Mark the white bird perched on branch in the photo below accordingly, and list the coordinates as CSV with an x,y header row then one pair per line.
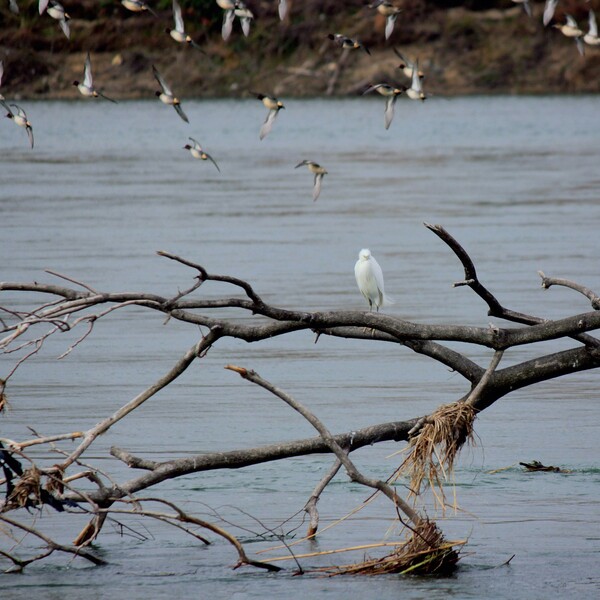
x,y
369,278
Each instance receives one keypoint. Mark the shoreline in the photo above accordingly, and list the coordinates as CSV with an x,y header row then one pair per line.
x,y
462,52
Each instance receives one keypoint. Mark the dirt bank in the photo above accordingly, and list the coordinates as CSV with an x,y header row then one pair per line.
x,y
462,51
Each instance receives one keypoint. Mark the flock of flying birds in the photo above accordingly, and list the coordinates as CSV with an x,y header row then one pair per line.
x,y
368,273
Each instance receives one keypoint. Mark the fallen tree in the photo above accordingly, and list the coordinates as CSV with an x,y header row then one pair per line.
x,y
434,440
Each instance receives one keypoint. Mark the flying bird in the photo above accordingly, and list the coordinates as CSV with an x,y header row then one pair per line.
x,y
19,116
197,152
407,66
274,105
245,16
346,42
526,6
391,93
179,34
571,29
228,7
137,6
549,9
283,9
86,87
56,11
166,95
2,99
415,91
369,278
390,12
591,37
318,171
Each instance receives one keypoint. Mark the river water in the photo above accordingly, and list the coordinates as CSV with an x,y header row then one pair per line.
x,y
514,179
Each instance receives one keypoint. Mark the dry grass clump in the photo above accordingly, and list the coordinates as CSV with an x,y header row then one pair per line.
x,y
433,450
426,552
27,491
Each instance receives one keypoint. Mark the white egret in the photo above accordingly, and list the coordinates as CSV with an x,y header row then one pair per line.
x,y
369,278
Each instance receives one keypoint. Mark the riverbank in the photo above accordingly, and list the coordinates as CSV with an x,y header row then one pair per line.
x,y
461,52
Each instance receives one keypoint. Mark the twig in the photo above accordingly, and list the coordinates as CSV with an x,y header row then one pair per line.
x,y
477,391
205,276
75,281
495,308
547,282
185,518
52,544
311,506
42,440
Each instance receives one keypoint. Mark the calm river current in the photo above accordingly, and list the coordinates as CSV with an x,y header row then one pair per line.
x,y
515,179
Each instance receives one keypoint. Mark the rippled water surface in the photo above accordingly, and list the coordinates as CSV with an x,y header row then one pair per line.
x,y
515,180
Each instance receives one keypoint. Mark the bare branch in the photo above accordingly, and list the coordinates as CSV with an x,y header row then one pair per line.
x,y
75,281
41,440
548,282
479,389
52,544
495,308
183,517
311,506
205,276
